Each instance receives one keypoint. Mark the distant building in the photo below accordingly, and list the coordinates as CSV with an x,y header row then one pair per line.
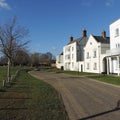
x,y
95,53
113,55
59,61
73,52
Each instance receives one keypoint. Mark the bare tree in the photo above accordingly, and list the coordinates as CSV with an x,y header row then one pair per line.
x,y
3,60
11,39
21,57
35,59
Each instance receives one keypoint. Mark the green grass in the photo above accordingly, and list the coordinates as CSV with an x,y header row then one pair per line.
x,y
104,78
49,69
78,73
31,99
3,73
108,79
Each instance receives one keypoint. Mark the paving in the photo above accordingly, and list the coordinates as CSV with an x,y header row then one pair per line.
x,y
84,98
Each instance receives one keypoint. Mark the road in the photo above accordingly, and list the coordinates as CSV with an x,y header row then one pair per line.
x,y
84,98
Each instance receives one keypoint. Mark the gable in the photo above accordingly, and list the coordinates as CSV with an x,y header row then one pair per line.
x,y
91,42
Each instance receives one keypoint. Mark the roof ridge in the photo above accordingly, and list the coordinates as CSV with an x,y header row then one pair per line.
x,y
77,40
101,39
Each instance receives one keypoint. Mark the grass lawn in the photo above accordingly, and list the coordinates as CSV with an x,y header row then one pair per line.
x,y
65,71
3,73
31,99
108,79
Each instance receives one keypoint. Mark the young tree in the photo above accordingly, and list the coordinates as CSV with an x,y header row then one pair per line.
x,y
11,39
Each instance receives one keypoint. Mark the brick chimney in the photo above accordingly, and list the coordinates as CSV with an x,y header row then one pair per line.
x,y
84,33
104,34
71,39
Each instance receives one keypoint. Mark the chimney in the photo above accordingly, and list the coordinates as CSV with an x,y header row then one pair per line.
x,y
104,34
71,39
84,33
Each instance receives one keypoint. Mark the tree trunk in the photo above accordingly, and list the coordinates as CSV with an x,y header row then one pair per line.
x,y
8,71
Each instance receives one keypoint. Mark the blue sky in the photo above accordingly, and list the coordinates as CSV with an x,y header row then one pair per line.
x,y
52,22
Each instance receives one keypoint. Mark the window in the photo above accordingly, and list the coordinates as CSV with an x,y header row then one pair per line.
x,y
67,49
116,32
118,45
94,54
67,57
95,66
87,55
72,48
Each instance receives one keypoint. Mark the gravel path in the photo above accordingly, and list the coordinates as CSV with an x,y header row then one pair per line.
x,y
84,99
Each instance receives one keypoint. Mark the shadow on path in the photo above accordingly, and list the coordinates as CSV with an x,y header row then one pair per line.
x,y
103,113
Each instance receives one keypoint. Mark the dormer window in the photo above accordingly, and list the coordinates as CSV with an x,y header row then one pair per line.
x,y
116,32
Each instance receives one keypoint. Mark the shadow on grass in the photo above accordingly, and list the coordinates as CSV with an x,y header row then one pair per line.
x,y
15,98
24,108
2,90
117,108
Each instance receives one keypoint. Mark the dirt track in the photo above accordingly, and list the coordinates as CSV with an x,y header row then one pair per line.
x,y
84,99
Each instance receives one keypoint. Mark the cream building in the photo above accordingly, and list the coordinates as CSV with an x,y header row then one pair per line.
x,y
113,55
73,52
95,53
59,61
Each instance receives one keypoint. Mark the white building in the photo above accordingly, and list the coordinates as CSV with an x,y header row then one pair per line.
x,y
59,61
113,55
74,52
95,52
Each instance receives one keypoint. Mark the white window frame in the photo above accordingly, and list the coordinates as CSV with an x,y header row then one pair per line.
x,y
94,54
95,66
116,32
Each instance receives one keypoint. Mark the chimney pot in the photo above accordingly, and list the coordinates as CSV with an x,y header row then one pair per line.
x,y
71,39
84,33
104,34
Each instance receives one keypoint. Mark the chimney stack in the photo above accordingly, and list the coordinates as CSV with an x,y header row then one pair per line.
x,y
104,34
71,39
84,33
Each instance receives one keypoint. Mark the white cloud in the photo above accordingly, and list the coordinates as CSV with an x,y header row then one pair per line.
x,y
109,3
86,2
4,4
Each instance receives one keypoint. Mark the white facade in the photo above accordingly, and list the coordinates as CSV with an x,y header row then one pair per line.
x,y
94,58
73,53
70,57
113,55
59,61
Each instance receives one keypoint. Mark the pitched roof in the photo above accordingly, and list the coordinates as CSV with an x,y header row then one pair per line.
x,y
104,40
78,40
